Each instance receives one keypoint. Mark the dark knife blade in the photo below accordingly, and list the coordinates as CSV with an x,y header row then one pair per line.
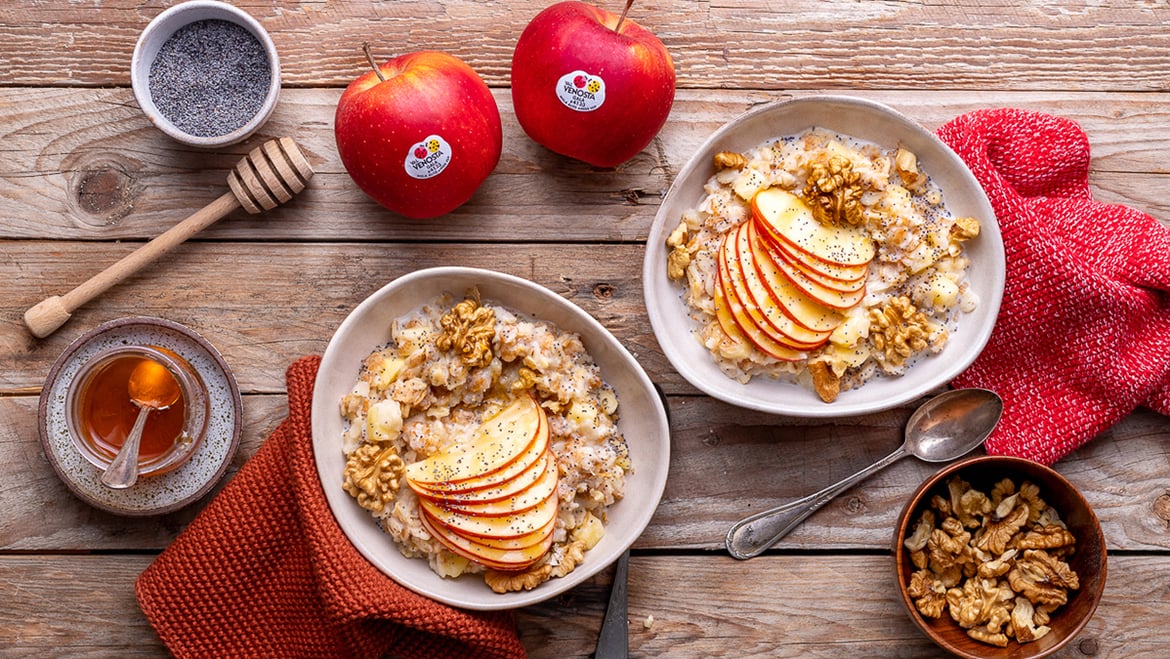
x,y
614,640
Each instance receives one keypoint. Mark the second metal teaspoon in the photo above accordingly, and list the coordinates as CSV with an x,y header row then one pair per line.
x,y
946,427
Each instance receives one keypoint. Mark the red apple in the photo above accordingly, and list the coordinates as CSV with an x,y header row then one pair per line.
x,y
419,134
589,85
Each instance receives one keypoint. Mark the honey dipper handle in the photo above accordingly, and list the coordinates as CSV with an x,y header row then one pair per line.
x,y
268,176
50,314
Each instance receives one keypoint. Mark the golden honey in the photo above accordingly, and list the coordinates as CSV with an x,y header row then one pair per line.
x,y
106,413
100,412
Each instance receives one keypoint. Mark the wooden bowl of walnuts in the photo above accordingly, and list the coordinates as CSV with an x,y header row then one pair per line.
x,y
999,557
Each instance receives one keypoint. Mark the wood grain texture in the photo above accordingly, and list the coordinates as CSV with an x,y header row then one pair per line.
x,y
85,179
87,165
772,606
726,463
1115,45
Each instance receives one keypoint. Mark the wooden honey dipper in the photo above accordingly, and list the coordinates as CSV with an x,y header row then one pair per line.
x,y
265,178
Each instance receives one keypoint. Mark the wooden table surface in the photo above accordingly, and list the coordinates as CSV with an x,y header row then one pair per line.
x,y
84,179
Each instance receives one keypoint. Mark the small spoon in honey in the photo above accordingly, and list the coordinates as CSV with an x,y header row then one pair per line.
x,y
151,387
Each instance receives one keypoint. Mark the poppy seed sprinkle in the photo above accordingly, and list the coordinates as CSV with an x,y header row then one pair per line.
x,y
210,78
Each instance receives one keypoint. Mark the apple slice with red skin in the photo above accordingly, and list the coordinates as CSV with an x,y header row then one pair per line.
x,y
787,216
507,560
734,319
775,293
834,275
502,447
733,330
508,488
780,328
778,251
828,297
518,542
507,526
519,502
759,333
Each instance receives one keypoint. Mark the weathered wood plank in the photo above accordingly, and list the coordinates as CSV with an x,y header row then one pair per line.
x,y
265,304
725,463
772,606
761,44
83,164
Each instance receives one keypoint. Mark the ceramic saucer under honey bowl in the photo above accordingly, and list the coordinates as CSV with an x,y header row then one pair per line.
x,y
156,494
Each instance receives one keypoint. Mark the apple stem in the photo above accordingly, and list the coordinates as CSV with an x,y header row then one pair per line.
x,y
370,58
622,19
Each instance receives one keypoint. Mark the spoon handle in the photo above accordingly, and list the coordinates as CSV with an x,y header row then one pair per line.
x,y
123,471
752,535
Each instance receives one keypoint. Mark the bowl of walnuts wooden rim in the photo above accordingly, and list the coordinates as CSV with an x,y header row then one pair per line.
x,y
998,556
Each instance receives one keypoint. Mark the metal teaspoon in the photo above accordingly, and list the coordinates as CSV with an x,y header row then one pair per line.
x,y
945,427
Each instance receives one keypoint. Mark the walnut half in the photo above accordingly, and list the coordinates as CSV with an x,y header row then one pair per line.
x,y
372,472
469,329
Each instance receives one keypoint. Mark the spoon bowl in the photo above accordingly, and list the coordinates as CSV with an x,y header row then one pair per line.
x,y
151,387
944,428
952,424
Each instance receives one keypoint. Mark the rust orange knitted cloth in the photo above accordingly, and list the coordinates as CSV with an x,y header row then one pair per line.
x,y
1083,335
265,571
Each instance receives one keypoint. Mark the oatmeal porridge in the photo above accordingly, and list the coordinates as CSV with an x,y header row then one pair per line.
x,y
822,259
485,442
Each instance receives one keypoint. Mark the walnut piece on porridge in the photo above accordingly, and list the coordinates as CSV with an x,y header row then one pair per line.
x,y
964,228
826,383
906,165
833,192
469,328
372,473
679,257
899,330
729,160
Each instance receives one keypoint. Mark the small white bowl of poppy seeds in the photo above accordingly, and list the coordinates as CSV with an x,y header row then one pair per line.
x,y
206,73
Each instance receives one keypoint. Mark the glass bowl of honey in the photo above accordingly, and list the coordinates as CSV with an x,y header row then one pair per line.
x,y
100,414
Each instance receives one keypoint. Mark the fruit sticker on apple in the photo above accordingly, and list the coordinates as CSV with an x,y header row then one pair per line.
x,y
580,91
590,84
419,134
428,158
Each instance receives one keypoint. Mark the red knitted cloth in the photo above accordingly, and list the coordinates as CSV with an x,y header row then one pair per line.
x,y
1083,336
265,571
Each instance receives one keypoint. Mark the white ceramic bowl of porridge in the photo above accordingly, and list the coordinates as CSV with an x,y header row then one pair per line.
x,y
683,326
641,420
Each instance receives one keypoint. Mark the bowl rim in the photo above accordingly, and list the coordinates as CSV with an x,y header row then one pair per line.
x,y
1011,464
772,395
470,592
163,27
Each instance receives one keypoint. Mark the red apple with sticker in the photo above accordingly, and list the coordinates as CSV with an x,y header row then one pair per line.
x,y
419,134
590,84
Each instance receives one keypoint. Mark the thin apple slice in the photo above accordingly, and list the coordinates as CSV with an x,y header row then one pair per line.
x,y
736,324
518,542
517,503
781,252
508,488
732,329
525,462
508,526
776,295
500,448
836,276
781,328
496,558
791,218
828,297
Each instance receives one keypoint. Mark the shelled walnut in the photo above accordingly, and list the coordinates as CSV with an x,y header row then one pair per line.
x,y
997,561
